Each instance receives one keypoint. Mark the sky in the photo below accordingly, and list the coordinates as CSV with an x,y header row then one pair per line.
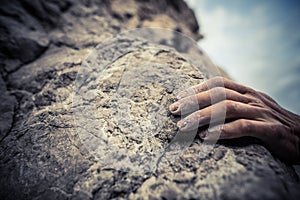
x,y
257,42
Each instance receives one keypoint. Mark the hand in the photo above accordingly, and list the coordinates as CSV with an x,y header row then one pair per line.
x,y
248,113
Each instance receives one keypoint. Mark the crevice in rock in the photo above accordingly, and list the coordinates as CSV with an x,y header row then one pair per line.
x,y
40,55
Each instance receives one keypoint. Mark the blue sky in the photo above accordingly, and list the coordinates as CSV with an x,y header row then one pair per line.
x,y
257,42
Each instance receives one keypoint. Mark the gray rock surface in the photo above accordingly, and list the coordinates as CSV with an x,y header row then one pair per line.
x,y
46,130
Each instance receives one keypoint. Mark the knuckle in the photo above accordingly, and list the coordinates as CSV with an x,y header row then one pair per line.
x,y
246,125
218,92
216,81
224,133
250,91
247,99
266,112
224,80
199,88
199,115
216,78
195,116
257,104
252,98
231,106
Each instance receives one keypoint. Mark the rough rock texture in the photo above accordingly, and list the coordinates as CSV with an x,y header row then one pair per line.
x,y
44,153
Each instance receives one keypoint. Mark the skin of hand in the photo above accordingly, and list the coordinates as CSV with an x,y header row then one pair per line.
x,y
248,113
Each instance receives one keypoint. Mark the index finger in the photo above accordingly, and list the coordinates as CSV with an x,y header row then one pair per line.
x,y
212,83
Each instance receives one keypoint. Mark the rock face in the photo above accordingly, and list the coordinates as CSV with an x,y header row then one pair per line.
x,y
97,137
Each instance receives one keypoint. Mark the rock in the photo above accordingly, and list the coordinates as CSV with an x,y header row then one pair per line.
x,y
55,128
7,110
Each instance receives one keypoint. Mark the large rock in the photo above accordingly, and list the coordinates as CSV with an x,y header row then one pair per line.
x,y
55,145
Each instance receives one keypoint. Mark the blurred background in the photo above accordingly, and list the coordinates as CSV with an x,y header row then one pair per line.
x,y
257,42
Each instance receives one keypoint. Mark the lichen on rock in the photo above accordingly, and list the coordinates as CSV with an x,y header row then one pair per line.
x,y
121,101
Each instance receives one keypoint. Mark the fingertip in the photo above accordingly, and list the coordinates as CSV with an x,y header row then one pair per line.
x,y
174,108
182,124
187,124
203,134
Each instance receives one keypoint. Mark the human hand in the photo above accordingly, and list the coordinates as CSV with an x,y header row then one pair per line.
x,y
248,113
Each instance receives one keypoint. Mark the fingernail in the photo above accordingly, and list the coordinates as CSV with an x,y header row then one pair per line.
x,y
173,107
203,134
182,124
